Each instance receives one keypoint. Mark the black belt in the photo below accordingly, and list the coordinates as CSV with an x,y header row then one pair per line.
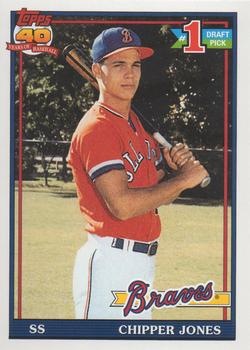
x,y
146,248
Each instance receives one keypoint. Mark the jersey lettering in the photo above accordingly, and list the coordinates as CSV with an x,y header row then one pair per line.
x,y
138,158
151,151
138,155
130,176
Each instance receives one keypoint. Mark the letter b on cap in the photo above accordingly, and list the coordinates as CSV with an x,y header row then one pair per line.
x,y
126,36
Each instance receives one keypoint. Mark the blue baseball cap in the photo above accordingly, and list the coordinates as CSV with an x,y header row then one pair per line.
x,y
114,40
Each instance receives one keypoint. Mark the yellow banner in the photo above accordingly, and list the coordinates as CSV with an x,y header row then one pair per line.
x,y
220,299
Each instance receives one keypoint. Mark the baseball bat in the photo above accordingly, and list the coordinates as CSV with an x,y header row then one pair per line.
x,y
77,59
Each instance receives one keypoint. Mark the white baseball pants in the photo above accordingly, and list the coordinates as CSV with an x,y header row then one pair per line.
x,y
100,269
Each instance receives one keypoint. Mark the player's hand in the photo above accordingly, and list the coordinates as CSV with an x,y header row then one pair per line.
x,y
192,173
177,156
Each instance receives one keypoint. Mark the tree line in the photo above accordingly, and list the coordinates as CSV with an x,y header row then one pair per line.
x,y
182,94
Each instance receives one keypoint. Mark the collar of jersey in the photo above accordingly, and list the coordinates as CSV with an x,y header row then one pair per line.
x,y
109,109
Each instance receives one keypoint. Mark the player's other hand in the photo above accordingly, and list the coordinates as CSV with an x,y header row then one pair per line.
x,y
177,156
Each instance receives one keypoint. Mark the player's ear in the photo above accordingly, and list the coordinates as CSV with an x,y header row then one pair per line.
x,y
96,69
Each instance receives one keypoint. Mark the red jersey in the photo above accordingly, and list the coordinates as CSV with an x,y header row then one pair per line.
x,y
104,141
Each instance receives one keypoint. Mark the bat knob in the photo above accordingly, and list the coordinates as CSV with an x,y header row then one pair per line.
x,y
205,182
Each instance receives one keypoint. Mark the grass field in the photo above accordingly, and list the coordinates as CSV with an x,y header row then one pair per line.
x,y
190,252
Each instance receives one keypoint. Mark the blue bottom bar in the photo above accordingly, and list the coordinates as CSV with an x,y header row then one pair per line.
x,y
122,329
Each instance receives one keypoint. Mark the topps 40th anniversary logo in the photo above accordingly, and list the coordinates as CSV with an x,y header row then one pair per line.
x,y
33,34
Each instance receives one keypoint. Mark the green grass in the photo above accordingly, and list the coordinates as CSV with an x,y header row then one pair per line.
x,y
190,251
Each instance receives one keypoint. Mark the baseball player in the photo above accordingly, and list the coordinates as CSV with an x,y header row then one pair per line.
x,y
117,167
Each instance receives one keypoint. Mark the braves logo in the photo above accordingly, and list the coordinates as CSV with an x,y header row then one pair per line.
x,y
137,301
126,36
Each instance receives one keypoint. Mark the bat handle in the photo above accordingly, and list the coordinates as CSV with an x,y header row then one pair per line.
x,y
161,140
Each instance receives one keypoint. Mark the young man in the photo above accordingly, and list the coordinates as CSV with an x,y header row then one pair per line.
x,y
116,167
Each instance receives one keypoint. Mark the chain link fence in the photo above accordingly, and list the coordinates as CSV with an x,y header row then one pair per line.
x,y
48,159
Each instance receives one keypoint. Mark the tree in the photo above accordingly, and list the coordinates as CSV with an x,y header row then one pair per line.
x,y
185,96
181,93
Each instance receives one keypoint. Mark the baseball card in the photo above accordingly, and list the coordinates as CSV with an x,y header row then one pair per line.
x,y
122,184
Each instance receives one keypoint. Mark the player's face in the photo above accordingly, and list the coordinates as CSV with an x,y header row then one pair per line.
x,y
120,74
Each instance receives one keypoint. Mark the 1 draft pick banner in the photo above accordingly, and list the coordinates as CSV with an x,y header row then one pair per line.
x,y
193,39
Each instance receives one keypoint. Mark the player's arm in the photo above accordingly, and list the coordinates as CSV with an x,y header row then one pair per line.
x,y
161,174
124,202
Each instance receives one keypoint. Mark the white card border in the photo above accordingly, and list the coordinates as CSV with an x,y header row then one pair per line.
x,y
243,172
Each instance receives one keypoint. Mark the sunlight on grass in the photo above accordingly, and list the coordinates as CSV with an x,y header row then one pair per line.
x,y
190,251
